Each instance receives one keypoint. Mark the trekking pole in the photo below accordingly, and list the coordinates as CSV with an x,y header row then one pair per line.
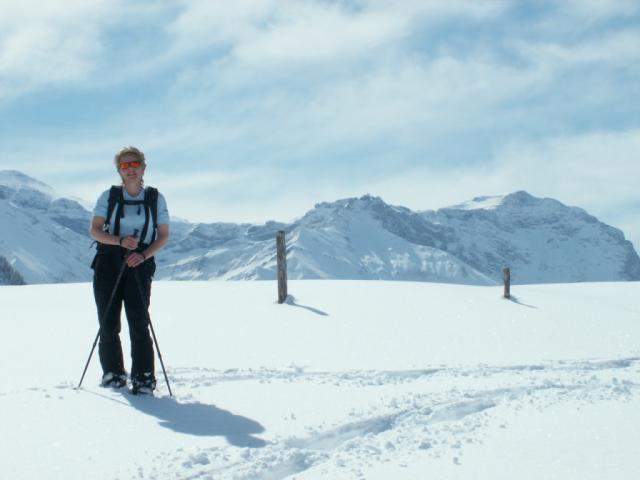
x,y
104,314
153,332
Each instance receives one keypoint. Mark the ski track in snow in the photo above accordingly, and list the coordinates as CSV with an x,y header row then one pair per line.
x,y
436,413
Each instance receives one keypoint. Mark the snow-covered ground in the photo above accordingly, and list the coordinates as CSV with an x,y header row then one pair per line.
x,y
348,380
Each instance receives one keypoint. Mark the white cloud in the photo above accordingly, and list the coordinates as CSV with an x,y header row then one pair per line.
x,y
71,42
201,182
397,95
593,170
270,33
616,48
318,74
51,42
590,169
598,10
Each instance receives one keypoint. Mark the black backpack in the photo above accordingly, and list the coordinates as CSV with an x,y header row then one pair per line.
x,y
116,205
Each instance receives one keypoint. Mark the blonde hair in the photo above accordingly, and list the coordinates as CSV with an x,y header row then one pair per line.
x,y
129,151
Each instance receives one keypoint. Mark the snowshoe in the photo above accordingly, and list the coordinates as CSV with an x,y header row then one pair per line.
x,y
143,384
142,391
113,380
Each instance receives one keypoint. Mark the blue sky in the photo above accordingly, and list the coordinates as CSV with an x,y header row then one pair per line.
x,y
256,110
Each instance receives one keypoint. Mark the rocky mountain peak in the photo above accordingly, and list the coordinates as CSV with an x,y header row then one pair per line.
x,y
351,203
516,200
25,191
520,198
15,180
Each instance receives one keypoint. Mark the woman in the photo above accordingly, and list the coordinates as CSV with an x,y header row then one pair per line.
x,y
130,225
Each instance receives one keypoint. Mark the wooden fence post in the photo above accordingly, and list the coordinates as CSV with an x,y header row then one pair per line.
x,y
281,248
506,274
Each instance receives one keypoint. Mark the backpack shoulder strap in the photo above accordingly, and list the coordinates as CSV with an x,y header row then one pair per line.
x,y
151,202
115,196
151,199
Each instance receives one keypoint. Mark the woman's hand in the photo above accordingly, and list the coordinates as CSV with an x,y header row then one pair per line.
x,y
130,243
135,259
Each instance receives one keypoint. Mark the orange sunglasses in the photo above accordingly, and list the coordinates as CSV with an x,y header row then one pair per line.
x,y
127,165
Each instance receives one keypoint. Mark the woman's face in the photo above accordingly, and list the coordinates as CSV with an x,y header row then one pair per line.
x,y
130,168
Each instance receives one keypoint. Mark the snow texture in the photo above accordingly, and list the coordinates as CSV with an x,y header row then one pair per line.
x,y
347,380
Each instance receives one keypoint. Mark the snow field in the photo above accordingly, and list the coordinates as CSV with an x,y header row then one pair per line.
x,y
348,380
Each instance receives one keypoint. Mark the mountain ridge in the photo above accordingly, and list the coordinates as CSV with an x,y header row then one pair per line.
x,y
541,239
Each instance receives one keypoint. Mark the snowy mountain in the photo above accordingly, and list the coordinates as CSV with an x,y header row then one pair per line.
x,y
542,241
347,239
8,274
45,239
44,236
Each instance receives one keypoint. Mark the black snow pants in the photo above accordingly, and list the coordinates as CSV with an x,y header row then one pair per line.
x,y
106,267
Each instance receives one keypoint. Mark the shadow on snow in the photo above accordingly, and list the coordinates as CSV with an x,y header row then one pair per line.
x,y
291,300
200,419
516,300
